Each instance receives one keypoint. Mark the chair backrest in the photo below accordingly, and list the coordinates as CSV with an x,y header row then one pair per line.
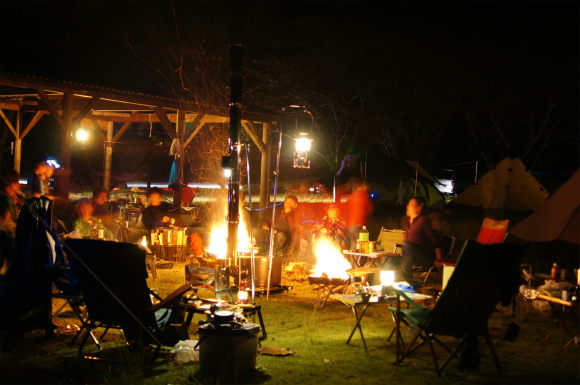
x,y
446,244
493,231
121,268
485,275
390,238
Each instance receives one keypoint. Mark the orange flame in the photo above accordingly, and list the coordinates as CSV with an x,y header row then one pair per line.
x,y
329,260
219,238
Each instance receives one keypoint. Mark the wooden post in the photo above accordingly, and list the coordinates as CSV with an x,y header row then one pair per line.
x,y
180,132
108,157
265,171
63,186
18,142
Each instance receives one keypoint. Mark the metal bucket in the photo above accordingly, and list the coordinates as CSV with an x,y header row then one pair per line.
x,y
262,264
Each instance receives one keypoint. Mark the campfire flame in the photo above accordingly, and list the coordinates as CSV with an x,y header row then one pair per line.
x,y
329,260
219,238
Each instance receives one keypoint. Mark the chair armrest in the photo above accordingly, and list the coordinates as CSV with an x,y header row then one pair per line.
x,y
175,296
409,300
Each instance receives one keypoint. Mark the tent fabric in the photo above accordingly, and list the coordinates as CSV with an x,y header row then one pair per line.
x,y
508,187
421,171
492,231
557,219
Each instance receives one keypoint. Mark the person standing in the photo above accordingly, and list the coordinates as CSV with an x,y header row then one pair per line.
x,y
34,182
421,245
359,209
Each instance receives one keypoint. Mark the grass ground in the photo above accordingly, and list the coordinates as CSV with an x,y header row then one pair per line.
x,y
318,336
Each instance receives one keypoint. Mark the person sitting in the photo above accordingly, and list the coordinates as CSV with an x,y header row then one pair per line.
x,y
287,230
333,226
421,244
158,213
100,197
86,224
10,186
7,230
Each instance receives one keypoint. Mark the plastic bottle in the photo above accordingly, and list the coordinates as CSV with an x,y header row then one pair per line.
x,y
555,272
100,231
363,236
94,231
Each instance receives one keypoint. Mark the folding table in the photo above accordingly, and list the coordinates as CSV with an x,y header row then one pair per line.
x,y
205,308
378,258
355,302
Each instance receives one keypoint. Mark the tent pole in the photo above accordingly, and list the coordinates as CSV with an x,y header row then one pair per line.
x,y
271,251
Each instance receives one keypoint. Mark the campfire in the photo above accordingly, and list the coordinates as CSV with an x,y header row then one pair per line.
x,y
329,273
330,263
219,239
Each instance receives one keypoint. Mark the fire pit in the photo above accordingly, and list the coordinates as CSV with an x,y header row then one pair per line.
x,y
328,285
329,273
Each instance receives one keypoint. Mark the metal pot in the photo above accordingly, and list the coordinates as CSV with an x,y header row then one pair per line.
x,y
221,317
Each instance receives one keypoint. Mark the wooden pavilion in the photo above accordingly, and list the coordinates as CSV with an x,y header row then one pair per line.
x,y
112,112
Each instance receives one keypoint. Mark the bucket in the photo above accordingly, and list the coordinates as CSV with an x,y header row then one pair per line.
x,y
228,352
262,264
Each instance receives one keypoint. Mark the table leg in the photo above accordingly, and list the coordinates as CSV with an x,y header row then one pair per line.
x,y
357,326
398,330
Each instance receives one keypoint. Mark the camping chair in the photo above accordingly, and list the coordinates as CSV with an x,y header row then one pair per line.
x,y
446,244
75,303
493,231
485,275
112,276
391,239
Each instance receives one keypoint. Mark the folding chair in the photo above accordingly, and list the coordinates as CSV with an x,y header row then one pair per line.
x,y
112,276
391,239
74,302
485,275
446,244
493,231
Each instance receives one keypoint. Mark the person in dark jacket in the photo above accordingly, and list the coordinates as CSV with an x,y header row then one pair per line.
x,y
158,213
421,246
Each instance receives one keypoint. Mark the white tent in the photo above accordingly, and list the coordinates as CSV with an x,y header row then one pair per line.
x,y
557,219
509,187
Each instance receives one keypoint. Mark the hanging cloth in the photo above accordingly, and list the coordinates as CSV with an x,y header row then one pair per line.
x,y
175,148
174,177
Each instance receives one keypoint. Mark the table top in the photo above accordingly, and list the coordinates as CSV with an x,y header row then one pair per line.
x,y
374,254
355,299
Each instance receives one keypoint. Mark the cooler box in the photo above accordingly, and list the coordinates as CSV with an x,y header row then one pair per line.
x,y
228,351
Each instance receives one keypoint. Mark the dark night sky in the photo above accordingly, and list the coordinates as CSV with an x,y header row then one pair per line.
x,y
449,45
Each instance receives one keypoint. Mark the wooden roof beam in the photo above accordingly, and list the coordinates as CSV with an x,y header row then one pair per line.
x,y
121,131
32,123
160,112
202,121
85,110
8,123
251,130
51,108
